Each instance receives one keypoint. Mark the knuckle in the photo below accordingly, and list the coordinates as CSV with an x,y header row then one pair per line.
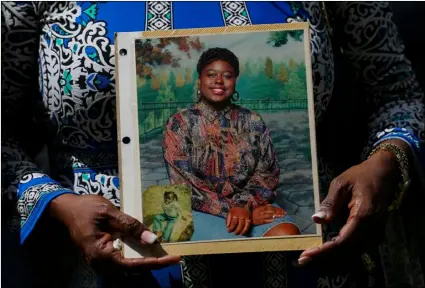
x,y
122,218
102,209
327,204
129,223
132,224
337,184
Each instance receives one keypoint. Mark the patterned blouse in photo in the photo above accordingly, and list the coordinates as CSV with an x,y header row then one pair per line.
x,y
226,156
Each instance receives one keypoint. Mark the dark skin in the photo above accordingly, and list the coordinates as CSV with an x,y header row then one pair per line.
x,y
366,191
366,188
217,84
94,223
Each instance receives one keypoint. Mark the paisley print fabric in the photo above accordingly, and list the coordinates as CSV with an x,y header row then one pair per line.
x,y
231,139
58,91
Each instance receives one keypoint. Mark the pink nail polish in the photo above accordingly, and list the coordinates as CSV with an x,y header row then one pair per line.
x,y
149,237
320,215
304,260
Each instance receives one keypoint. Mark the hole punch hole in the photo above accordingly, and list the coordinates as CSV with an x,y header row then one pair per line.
x,y
123,52
126,140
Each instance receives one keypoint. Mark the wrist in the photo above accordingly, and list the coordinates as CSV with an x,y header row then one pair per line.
x,y
402,144
392,159
387,159
60,207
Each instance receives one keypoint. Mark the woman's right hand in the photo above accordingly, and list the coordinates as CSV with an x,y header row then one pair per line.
x,y
238,220
94,223
265,214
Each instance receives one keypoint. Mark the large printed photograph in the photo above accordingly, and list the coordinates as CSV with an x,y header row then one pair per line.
x,y
224,136
217,150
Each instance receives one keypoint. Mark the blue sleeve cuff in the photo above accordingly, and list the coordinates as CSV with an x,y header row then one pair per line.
x,y
409,138
34,197
405,135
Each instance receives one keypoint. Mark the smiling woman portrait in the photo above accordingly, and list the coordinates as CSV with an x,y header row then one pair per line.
x,y
225,153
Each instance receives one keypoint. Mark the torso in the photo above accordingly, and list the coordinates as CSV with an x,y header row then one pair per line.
x,y
223,146
79,94
77,84
77,81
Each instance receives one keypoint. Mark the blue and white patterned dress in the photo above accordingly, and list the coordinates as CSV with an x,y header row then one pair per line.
x,y
58,91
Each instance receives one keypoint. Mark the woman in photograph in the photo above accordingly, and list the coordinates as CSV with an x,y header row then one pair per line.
x,y
225,153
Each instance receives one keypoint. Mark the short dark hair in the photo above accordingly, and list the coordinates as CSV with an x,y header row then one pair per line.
x,y
169,194
214,54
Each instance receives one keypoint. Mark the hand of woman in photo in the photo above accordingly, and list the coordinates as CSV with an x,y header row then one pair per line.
x,y
238,220
366,189
266,213
94,223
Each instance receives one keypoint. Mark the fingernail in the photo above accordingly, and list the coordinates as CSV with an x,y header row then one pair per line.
x,y
320,215
149,237
304,260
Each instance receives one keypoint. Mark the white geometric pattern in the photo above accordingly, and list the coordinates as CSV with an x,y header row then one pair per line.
x,y
29,198
159,15
235,13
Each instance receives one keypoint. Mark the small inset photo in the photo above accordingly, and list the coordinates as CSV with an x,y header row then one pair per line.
x,y
167,211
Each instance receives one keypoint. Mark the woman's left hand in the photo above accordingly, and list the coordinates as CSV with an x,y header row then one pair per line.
x,y
238,220
265,214
366,190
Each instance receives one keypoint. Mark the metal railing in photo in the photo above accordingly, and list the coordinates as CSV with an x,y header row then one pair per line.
x,y
153,115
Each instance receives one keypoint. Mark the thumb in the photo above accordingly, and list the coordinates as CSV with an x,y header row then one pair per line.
x,y
130,226
331,205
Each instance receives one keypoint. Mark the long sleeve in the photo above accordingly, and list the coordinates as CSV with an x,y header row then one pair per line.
x,y
175,145
370,42
28,190
217,197
261,188
395,106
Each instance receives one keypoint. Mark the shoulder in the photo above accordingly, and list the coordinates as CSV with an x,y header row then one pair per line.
x,y
181,117
250,115
251,118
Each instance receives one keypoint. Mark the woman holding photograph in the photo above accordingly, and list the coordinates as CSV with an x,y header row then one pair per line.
x,y
225,153
60,219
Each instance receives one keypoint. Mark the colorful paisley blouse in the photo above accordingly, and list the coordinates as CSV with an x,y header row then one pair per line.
x,y
58,95
226,156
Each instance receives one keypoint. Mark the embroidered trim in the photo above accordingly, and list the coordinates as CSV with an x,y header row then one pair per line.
x,y
235,13
159,15
32,203
414,143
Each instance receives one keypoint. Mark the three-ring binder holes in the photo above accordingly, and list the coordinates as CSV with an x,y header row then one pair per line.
x,y
125,139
